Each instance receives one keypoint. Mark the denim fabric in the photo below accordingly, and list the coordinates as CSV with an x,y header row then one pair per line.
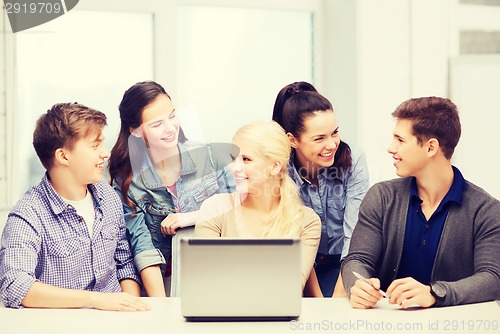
x,y
336,200
204,172
327,271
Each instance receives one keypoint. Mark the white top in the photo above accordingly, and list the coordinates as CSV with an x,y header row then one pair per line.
x,y
85,208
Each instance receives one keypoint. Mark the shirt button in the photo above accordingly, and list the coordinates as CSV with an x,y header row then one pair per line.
x,y
424,242
426,225
186,201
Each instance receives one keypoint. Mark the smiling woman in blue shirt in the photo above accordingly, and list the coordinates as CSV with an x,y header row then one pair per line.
x,y
162,177
64,244
331,175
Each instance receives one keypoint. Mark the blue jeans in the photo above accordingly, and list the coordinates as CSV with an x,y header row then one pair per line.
x,y
327,270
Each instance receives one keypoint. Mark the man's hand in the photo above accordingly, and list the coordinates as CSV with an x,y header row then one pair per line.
x,y
363,295
409,292
119,301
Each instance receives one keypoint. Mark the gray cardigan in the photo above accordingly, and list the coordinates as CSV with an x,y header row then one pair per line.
x,y
467,263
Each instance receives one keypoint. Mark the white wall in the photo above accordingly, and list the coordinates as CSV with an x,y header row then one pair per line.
x,y
369,56
3,125
381,53
340,61
233,75
475,87
404,53
384,77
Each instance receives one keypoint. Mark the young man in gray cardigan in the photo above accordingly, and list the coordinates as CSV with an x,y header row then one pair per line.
x,y
430,237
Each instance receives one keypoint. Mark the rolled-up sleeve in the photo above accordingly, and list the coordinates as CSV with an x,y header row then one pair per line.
x,y
139,236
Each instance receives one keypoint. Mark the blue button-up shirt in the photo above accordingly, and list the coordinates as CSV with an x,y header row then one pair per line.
x,y
335,200
45,240
204,172
422,236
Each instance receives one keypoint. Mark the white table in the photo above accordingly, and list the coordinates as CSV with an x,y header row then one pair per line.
x,y
318,316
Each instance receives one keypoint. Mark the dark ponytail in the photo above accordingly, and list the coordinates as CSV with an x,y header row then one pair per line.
x,y
299,100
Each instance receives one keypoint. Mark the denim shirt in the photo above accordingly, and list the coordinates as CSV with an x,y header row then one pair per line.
x,y
336,200
204,172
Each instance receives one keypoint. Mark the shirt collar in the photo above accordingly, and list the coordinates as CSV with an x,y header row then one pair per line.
x,y
294,173
327,173
187,164
152,180
57,204
454,194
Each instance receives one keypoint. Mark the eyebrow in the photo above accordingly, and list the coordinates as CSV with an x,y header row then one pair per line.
x,y
320,135
98,138
160,119
155,122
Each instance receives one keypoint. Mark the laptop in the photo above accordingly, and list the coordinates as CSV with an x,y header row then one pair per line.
x,y
225,279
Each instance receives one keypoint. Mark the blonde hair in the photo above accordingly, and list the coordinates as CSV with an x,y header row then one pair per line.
x,y
272,143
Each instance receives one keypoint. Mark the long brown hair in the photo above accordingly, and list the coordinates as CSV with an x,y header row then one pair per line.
x,y
134,101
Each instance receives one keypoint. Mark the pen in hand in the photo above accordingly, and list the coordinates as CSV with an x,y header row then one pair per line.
x,y
365,280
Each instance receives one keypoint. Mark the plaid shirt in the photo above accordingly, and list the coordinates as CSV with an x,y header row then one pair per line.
x,y
45,240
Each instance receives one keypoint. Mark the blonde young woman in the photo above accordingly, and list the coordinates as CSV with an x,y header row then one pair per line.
x,y
266,203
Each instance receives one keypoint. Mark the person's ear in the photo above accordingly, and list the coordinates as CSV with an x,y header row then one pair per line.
x,y
136,132
60,156
276,169
432,147
293,140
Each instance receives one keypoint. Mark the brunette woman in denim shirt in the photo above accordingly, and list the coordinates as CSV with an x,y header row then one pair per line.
x,y
331,175
161,177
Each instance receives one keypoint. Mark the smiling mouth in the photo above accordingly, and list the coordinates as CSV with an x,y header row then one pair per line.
x,y
326,155
240,178
169,138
